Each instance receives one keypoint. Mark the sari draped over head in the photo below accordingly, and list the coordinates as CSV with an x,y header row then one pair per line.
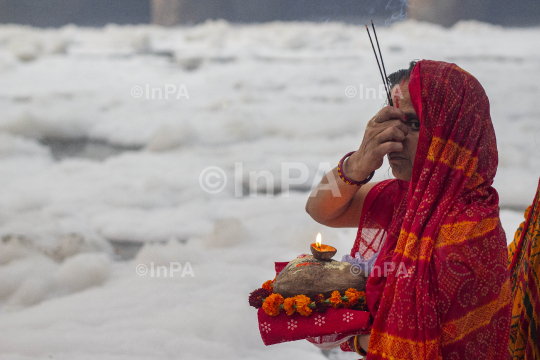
x,y
440,287
524,263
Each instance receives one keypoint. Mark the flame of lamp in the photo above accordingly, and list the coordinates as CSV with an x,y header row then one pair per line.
x,y
323,253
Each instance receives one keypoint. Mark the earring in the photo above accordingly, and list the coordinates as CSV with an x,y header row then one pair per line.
x,y
401,187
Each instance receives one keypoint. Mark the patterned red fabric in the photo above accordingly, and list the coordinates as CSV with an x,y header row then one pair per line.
x,y
330,326
385,201
446,291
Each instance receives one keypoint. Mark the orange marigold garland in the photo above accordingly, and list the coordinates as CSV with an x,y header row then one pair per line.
x,y
272,304
335,299
269,285
288,305
257,297
302,305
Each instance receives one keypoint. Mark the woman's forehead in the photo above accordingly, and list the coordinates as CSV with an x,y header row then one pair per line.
x,y
402,97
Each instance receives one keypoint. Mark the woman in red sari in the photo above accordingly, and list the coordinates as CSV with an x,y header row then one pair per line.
x,y
435,229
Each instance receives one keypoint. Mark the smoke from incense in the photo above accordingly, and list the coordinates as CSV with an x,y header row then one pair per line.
x,y
399,11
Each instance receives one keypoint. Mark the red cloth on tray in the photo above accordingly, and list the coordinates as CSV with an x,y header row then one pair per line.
x,y
330,326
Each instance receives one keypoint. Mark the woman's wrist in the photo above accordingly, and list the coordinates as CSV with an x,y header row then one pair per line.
x,y
363,342
350,174
357,347
353,172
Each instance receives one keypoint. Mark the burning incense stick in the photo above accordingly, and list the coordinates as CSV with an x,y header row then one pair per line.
x,y
383,75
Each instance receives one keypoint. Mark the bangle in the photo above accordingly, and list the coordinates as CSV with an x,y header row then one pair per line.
x,y
344,177
359,350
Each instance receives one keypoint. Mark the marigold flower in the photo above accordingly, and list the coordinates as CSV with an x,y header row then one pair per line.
x,y
302,305
288,305
319,298
269,285
335,299
257,296
271,305
353,296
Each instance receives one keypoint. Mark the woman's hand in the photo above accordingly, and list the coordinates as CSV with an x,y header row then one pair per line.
x,y
384,134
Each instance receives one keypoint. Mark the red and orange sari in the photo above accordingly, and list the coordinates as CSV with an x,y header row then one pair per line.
x,y
440,288
524,264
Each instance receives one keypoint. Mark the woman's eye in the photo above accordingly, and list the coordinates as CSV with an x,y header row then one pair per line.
x,y
414,125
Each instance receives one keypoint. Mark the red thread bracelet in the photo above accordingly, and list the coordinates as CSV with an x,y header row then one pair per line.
x,y
344,177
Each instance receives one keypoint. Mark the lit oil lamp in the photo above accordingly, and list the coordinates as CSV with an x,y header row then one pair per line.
x,y
322,252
